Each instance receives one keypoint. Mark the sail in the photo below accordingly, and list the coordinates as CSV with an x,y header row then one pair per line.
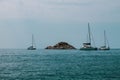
x,y
89,33
33,44
106,43
87,45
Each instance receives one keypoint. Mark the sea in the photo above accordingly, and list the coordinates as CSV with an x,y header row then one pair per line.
x,y
20,64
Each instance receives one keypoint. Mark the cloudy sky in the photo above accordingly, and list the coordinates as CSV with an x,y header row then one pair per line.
x,y
52,21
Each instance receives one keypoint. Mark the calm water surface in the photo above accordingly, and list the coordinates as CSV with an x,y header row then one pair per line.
x,y
59,65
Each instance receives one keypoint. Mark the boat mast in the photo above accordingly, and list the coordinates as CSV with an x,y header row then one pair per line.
x,y
32,39
104,38
89,34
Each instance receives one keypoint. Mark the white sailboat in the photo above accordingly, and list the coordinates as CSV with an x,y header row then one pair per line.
x,y
33,45
87,45
106,44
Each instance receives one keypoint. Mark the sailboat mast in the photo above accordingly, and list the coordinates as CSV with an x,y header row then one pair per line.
x,y
32,39
89,34
104,38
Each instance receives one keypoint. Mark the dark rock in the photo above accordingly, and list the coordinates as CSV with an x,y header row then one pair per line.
x,y
61,45
49,47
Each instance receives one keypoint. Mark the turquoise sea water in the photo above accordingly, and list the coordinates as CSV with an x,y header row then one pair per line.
x,y
59,65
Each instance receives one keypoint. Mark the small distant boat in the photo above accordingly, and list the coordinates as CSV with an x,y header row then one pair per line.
x,y
33,45
106,44
87,45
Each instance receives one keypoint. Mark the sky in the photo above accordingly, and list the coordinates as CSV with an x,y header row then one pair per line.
x,y
53,21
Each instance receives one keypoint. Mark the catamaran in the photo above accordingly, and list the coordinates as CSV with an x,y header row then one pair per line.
x,y
33,45
106,44
87,45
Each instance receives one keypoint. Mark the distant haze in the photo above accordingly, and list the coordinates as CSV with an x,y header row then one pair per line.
x,y
52,21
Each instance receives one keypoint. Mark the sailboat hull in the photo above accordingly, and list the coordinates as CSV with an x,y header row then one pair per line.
x,y
104,48
31,48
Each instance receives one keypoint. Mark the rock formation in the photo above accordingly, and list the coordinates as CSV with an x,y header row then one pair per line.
x,y
61,45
